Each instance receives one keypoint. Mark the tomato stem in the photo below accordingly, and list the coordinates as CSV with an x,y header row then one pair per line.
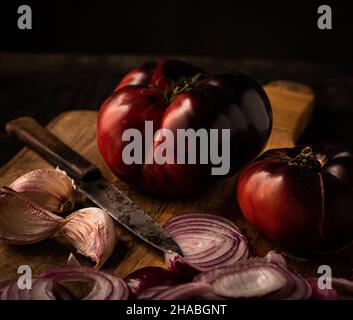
x,y
185,86
178,88
305,159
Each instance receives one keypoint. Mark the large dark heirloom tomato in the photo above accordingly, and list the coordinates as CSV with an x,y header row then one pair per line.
x,y
301,197
176,95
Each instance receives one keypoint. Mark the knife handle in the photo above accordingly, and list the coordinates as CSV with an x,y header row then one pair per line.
x,y
52,148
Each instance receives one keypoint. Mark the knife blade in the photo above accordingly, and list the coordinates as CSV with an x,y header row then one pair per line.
x,y
91,183
108,197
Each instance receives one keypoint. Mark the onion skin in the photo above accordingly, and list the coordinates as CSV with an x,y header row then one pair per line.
x,y
145,278
225,101
296,206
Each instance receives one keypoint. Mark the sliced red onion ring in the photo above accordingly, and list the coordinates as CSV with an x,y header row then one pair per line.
x,y
4,289
255,279
144,278
344,287
207,241
301,290
106,286
4,286
61,293
321,294
180,266
13,292
179,292
47,286
150,293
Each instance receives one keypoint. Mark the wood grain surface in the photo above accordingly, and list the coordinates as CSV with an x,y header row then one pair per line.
x,y
292,105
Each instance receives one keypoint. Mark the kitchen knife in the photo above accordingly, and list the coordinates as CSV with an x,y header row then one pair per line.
x,y
91,183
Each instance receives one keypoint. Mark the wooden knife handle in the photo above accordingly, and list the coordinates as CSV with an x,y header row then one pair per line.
x,y
52,148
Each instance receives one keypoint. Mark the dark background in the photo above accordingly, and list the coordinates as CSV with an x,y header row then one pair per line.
x,y
236,29
78,51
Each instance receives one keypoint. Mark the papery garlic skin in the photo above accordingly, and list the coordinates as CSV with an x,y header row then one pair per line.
x,y
51,189
23,221
91,231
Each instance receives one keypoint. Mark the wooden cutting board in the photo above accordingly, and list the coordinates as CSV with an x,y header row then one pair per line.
x,y
292,105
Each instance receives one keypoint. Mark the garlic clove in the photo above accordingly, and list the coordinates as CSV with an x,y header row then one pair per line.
x,y
51,189
91,231
23,221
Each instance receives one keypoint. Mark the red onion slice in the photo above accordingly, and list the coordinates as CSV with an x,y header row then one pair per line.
x,y
61,293
255,279
250,280
150,293
10,291
144,278
201,217
344,287
180,266
48,287
106,286
13,292
321,294
3,287
207,241
301,289
184,291
4,291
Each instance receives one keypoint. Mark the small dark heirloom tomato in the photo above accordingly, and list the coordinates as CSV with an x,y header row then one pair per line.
x,y
301,197
175,95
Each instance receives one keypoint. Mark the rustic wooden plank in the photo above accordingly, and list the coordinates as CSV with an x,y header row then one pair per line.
x,y
292,107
